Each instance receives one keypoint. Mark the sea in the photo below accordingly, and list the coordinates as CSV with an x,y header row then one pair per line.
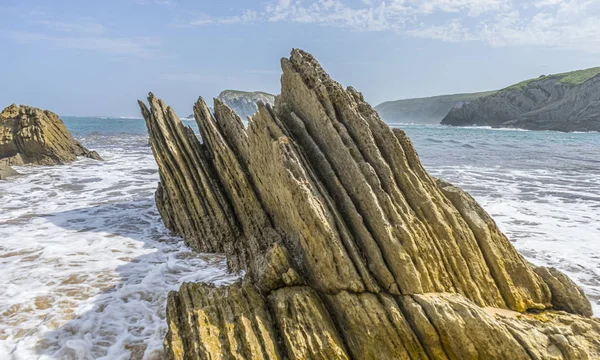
x,y
86,263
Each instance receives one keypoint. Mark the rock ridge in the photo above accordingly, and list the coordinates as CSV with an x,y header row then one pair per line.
x,y
350,249
30,135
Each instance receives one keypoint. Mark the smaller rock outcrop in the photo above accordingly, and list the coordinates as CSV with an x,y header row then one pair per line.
x,y
6,171
30,135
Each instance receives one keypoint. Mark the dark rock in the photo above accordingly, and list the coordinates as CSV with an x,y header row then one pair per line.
x,y
6,171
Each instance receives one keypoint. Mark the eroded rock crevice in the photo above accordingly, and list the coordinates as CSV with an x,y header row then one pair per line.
x,y
351,250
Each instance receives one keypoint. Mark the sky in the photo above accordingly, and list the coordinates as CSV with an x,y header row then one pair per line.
x,y
96,58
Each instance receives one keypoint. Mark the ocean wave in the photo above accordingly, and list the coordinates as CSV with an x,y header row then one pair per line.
x,y
86,262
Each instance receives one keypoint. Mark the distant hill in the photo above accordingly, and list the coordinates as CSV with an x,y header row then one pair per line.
x,y
427,110
243,102
564,102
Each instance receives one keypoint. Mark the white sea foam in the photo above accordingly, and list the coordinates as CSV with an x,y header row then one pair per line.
x,y
485,127
86,263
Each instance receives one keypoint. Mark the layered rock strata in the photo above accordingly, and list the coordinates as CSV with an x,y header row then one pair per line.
x,y
350,249
30,135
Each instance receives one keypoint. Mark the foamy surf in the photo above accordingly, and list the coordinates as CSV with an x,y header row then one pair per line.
x,y
86,262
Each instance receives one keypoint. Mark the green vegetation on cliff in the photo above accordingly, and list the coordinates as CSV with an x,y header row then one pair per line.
x,y
576,77
563,102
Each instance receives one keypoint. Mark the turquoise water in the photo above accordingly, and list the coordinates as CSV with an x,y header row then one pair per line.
x,y
437,145
85,126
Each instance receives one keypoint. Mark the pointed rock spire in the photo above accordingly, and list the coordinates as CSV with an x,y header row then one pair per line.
x,y
351,250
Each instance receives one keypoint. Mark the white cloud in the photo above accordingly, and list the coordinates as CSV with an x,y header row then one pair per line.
x,y
450,32
545,3
470,7
246,16
86,26
572,24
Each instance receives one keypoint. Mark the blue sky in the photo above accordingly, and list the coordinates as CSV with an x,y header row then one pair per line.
x,y
99,57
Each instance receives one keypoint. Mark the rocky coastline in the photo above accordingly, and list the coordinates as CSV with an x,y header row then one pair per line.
x,y
350,249
561,102
32,136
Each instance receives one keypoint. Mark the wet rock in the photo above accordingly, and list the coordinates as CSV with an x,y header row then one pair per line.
x,y
351,250
30,135
6,171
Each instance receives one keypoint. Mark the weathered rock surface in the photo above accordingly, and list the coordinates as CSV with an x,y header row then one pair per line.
x,y
6,171
561,102
30,135
351,250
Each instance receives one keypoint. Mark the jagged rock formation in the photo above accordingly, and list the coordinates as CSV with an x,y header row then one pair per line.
x,y
6,171
428,110
30,135
351,250
561,102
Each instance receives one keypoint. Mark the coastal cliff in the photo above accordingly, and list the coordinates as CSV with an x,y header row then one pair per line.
x,y
350,249
30,135
245,103
561,102
427,110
